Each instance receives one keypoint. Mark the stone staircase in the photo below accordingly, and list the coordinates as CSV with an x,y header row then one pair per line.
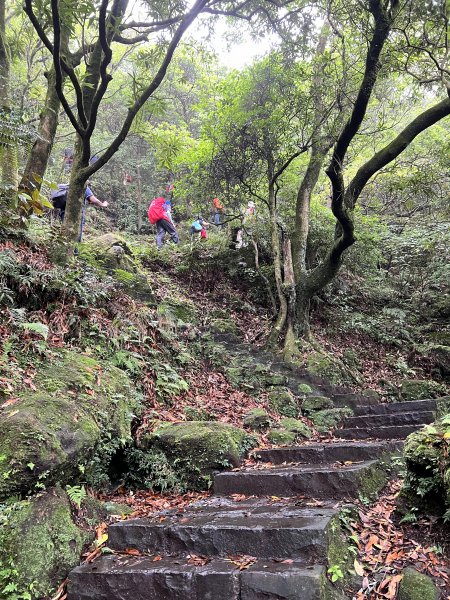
x,y
202,553
385,421
281,512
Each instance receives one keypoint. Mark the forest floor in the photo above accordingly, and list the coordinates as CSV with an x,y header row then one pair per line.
x,y
385,544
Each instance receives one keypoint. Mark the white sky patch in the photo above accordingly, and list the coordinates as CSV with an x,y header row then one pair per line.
x,y
233,43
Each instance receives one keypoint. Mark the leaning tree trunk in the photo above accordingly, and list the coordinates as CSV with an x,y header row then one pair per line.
x,y
8,136
40,152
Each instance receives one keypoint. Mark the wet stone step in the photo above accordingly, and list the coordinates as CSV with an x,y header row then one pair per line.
x,y
328,453
398,418
396,407
322,481
399,432
124,577
274,531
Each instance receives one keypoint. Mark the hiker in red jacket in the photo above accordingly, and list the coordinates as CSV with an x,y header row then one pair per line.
x,y
158,216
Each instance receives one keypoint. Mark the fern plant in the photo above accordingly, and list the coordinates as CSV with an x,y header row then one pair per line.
x,y
76,494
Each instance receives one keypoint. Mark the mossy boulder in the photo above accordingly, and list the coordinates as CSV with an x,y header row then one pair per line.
x,y
79,404
373,394
281,437
200,447
328,367
326,419
303,389
296,426
108,252
39,543
421,389
442,406
417,586
427,481
178,310
339,550
224,326
315,403
135,285
283,402
257,418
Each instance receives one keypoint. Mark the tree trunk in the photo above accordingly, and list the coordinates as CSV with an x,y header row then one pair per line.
x,y
71,228
290,340
40,152
139,199
277,264
302,211
8,189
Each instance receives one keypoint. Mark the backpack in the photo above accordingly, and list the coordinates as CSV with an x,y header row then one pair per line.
x,y
156,210
197,225
59,197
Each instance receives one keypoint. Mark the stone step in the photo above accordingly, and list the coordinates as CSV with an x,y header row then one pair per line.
x,y
324,481
125,577
271,531
328,453
396,407
392,432
386,420
353,400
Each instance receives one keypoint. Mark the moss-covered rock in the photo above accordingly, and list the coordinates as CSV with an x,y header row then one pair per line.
x,y
427,459
282,401
440,357
281,437
224,326
135,285
296,426
47,433
180,311
326,366
417,586
39,543
200,447
257,418
340,557
373,479
326,419
270,379
373,394
442,406
315,403
418,389
108,252
303,389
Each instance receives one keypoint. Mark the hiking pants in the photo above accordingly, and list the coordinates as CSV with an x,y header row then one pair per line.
x,y
161,227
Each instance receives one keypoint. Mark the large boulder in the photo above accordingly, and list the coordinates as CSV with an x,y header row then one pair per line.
x,y
109,251
417,586
427,481
198,448
39,544
48,434
420,389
